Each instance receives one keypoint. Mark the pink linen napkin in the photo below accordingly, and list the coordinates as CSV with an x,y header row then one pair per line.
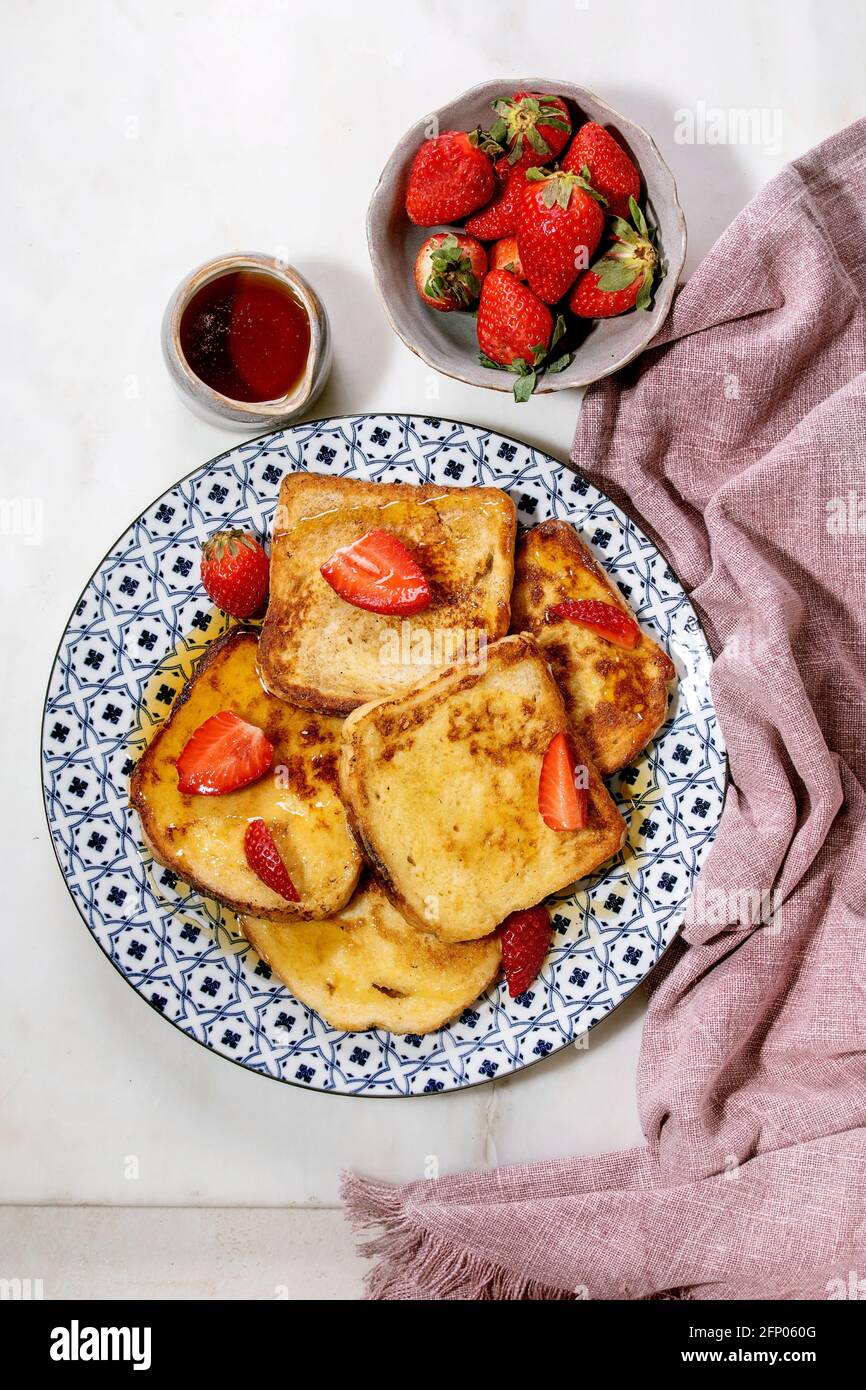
x,y
739,441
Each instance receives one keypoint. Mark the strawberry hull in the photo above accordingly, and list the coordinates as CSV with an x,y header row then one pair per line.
x,y
532,126
449,270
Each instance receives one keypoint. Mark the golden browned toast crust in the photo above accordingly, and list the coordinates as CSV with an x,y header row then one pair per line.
x,y
319,651
367,967
617,699
441,785
201,838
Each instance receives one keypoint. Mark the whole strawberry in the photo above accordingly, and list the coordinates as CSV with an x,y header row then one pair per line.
x,y
515,329
526,938
497,218
597,155
531,127
449,269
450,177
622,278
559,226
234,571
504,255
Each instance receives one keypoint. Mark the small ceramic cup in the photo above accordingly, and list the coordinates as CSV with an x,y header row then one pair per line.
x,y
253,416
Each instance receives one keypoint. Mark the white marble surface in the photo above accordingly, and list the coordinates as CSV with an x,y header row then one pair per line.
x,y
142,1253
138,138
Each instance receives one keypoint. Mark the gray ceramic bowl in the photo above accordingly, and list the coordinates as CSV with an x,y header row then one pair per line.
x,y
253,416
447,341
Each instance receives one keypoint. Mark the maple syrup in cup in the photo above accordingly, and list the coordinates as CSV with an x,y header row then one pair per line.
x,y
246,338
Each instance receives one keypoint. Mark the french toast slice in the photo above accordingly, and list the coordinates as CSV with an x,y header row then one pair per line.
x,y
201,838
367,967
617,698
441,785
319,651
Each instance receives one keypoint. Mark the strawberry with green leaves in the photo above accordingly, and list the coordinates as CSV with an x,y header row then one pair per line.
x,y
516,331
531,128
622,278
600,158
234,571
449,269
559,225
450,177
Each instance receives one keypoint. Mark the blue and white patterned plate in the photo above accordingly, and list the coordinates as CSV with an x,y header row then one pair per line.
x,y
144,612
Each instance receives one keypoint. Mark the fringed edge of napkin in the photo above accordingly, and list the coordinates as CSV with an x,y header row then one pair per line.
x,y
408,1257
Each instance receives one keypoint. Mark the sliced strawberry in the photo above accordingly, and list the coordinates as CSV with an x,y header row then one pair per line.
x,y
265,860
504,255
378,573
562,804
525,943
224,753
606,619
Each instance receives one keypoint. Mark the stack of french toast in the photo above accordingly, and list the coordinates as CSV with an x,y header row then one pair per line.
x,y
419,732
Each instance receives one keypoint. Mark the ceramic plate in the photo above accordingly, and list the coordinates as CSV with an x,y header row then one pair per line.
x,y
144,617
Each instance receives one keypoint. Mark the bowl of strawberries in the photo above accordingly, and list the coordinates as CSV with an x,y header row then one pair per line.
x,y
526,237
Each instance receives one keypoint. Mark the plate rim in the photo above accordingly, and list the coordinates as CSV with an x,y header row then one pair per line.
x,y
365,1094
